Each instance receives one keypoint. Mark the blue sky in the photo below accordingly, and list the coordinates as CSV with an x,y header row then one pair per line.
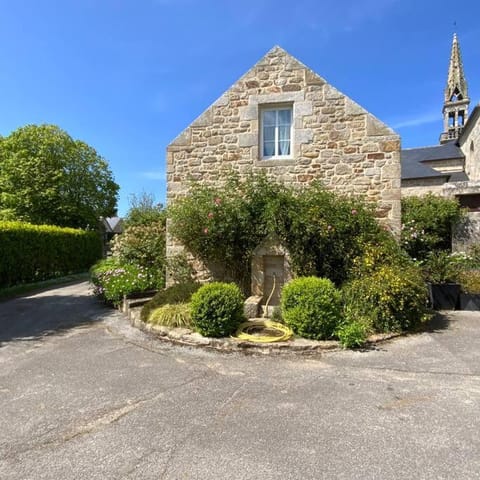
x,y
126,76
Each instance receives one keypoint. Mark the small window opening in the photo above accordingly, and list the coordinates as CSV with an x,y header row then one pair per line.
x,y
451,120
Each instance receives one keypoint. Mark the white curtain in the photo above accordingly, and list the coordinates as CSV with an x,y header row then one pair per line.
x,y
284,128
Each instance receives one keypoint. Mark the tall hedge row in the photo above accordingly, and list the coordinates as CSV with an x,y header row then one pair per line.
x,y
30,253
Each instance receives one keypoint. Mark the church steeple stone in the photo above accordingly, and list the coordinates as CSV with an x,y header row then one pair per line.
x,y
456,101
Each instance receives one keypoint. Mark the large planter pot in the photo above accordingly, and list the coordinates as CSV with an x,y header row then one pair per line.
x,y
444,296
470,301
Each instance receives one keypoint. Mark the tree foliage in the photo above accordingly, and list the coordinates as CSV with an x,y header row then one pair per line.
x,y
144,210
47,177
427,224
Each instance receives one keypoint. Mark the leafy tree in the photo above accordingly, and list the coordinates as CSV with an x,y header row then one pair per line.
x,y
144,210
143,240
428,223
47,177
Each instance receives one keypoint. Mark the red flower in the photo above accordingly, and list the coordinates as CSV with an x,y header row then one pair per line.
x,y
205,231
218,201
354,212
210,215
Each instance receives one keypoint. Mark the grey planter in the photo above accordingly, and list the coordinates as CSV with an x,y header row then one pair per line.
x,y
444,296
470,301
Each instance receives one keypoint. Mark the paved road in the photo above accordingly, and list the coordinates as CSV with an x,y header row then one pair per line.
x,y
85,396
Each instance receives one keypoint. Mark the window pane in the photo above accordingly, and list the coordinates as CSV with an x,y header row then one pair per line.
x,y
285,117
268,149
268,134
269,117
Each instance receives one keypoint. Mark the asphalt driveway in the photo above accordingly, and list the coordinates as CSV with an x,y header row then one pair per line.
x,y
85,396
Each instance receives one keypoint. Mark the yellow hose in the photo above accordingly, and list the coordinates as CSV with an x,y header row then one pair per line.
x,y
243,331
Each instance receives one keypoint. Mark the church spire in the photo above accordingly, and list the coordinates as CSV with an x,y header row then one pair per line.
x,y
456,101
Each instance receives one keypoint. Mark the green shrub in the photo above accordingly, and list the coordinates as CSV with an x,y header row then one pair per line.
x,y
222,225
217,309
324,231
470,281
143,245
178,293
31,253
392,299
427,224
353,334
171,315
442,266
311,307
385,251
113,280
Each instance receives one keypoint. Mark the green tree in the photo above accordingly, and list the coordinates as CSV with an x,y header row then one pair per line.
x,y
144,210
428,223
47,177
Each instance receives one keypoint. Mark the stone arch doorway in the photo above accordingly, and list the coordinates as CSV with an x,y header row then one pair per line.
x,y
270,271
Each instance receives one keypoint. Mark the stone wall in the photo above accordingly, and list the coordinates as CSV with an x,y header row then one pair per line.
x,y
467,233
422,186
470,145
334,139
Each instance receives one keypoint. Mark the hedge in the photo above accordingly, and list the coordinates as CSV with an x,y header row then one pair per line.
x,y
30,253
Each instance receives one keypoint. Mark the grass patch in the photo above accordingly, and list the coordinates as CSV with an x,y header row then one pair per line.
x,y
25,288
171,315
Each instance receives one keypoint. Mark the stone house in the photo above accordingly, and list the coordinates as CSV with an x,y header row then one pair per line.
x,y
283,119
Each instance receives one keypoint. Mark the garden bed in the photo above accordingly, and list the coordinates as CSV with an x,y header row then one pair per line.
x,y
186,337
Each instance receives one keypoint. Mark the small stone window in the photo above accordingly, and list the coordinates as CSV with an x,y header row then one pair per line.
x,y
276,132
472,147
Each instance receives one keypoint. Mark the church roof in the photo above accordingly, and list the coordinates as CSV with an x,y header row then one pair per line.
x,y
456,83
415,160
458,177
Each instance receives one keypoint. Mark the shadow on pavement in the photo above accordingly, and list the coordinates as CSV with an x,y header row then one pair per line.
x,y
29,318
437,324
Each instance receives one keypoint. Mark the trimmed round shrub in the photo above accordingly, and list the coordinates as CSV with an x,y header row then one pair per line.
x,y
178,293
391,299
217,309
311,307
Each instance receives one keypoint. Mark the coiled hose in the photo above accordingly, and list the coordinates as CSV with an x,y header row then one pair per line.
x,y
280,332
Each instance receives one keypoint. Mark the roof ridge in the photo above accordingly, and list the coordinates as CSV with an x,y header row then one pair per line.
x,y
427,146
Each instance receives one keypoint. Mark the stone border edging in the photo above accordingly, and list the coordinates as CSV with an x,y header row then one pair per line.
x,y
185,337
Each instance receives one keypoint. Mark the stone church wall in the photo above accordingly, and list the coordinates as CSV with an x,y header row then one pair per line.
x,y
470,145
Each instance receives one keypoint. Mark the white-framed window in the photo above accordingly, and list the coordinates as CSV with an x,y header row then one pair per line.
x,y
276,132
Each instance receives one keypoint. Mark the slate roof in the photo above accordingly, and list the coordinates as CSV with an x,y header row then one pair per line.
x,y
415,160
113,224
458,177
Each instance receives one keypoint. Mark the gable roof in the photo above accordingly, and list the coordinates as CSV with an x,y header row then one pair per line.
x,y
290,61
415,160
113,224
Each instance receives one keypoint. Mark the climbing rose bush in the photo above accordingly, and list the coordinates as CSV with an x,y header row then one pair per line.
x,y
221,226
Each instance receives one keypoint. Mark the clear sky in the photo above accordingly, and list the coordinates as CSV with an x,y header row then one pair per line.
x,y
126,76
